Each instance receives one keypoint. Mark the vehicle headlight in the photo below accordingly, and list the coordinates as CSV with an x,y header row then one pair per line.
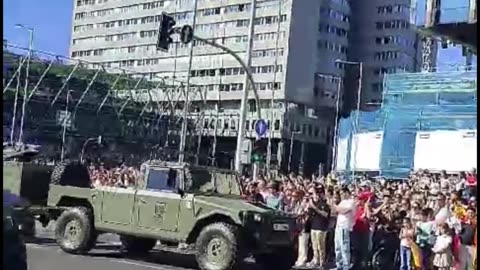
x,y
257,217
252,217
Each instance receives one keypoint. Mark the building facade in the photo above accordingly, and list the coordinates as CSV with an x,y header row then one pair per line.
x,y
295,48
385,41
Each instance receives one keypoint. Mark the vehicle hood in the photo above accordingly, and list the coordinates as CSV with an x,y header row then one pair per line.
x,y
231,203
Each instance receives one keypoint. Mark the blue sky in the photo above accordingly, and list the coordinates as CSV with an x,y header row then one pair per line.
x,y
51,20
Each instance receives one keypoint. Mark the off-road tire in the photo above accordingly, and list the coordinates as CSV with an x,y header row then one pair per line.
x,y
68,173
230,258
85,230
281,259
137,245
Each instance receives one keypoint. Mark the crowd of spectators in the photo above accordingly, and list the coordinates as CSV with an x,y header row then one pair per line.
x,y
114,176
427,221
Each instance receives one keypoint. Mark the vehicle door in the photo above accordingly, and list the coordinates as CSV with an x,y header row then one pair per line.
x,y
158,205
117,205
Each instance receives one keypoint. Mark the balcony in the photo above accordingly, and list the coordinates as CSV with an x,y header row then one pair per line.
x,y
455,20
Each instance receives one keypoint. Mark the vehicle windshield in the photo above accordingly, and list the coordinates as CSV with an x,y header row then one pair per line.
x,y
220,182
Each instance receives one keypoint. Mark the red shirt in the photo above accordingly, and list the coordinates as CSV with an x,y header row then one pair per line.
x,y
361,223
471,180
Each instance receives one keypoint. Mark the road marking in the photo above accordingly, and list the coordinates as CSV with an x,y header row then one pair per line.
x,y
143,265
30,245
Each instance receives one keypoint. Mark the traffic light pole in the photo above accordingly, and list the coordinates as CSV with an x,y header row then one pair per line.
x,y
242,63
186,107
249,82
243,104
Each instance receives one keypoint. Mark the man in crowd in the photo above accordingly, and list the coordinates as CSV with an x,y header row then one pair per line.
x,y
467,238
320,214
361,229
345,214
274,199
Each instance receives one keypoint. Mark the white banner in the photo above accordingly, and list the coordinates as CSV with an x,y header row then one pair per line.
x,y
341,157
364,152
448,150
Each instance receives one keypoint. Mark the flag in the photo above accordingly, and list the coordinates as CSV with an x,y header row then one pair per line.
x,y
456,251
417,256
475,250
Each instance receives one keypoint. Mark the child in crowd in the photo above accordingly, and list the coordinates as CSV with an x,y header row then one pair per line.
x,y
443,258
406,239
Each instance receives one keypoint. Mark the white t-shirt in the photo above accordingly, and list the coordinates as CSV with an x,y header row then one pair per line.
x,y
345,221
459,185
444,183
442,215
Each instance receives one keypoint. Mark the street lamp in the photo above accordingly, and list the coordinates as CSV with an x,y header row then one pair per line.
x,y
24,103
337,117
359,94
291,149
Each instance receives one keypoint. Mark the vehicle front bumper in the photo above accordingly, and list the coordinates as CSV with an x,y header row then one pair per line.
x,y
268,236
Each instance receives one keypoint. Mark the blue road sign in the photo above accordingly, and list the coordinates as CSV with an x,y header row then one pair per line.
x,y
261,127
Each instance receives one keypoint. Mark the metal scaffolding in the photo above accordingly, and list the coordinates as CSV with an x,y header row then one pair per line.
x,y
414,102
70,98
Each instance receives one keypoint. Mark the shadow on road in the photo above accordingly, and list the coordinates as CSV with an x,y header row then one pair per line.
x,y
160,257
40,241
155,257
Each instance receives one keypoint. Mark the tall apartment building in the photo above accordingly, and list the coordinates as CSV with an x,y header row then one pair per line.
x,y
384,40
293,60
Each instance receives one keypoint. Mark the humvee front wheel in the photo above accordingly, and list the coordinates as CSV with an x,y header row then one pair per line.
x,y
74,231
218,247
137,245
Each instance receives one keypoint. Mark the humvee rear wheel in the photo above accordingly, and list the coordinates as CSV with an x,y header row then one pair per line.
x,y
218,247
74,231
137,245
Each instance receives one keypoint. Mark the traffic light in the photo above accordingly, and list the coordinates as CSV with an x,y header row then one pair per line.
x,y
259,151
165,31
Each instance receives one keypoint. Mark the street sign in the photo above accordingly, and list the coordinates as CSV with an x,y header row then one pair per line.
x,y
186,34
261,127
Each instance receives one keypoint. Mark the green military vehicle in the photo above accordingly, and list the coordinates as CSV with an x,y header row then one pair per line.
x,y
26,183
198,207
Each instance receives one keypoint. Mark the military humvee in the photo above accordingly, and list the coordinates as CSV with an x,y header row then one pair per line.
x,y
199,207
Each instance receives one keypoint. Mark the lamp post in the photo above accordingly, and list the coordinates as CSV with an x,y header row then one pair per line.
x,y
337,118
292,137
24,103
359,94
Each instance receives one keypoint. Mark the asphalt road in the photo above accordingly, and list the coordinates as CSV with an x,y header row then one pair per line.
x,y
44,254
47,256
